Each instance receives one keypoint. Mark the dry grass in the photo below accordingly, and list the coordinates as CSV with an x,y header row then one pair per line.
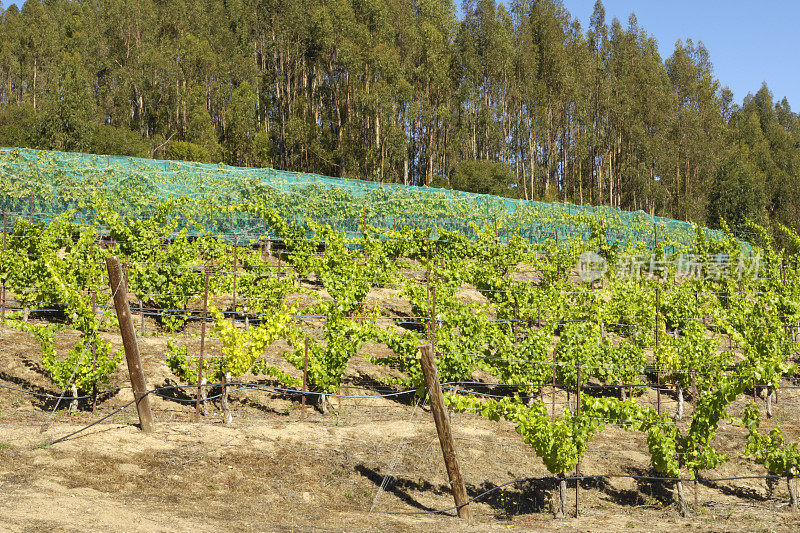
x,y
271,472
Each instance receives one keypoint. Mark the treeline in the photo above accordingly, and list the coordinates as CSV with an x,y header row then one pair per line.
x,y
518,101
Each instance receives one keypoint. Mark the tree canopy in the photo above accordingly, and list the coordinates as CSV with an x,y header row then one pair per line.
x,y
517,100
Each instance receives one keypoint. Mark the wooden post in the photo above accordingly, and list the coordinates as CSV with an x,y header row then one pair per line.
x,y
305,381
428,280
120,292
212,220
695,394
3,287
226,412
264,248
443,429
553,399
658,363
433,317
201,390
94,355
578,464
235,266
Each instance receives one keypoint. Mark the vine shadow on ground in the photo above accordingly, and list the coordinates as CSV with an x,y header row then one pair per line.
x,y
48,400
528,496
745,493
367,382
648,483
174,392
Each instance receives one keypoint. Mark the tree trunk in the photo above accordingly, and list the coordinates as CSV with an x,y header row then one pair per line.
x,y
35,70
558,503
203,395
225,407
683,507
323,403
679,412
73,406
532,163
790,483
770,396
531,399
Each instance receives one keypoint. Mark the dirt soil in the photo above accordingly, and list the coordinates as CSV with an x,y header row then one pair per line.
x,y
269,471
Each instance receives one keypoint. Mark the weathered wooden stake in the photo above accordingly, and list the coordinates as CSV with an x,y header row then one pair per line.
x,y
119,289
235,266
443,429
94,355
265,247
578,464
201,390
226,412
428,281
553,399
305,381
433,317
3,287
658,362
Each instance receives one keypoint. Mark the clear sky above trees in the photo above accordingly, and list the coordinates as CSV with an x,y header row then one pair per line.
x,y
749,42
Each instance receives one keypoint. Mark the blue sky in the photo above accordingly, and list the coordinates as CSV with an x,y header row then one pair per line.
x,y
748,42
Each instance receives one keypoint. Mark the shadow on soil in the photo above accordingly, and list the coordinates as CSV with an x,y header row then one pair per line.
x,y
525,496
50,399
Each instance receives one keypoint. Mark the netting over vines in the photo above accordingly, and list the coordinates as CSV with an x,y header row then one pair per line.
x,y
43,184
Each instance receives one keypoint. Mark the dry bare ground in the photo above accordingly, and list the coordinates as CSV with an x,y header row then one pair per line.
x,y
271,472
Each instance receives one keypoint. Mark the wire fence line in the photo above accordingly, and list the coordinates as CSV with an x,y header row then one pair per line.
x,y
242,302
236,386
